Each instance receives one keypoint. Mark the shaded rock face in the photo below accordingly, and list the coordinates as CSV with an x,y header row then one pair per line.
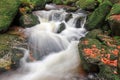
x,y
114,19
99,54
97,18
28,20
114,22
8,10
9,56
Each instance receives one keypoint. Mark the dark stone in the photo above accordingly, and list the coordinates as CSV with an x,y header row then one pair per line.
x,y
61,27
68,17
28,20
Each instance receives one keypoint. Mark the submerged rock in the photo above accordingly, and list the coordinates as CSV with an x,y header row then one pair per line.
x,y
28,20
8,10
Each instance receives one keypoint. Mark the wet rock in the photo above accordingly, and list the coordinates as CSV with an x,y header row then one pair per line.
x,y
28,20
10,57
80,20
8,10
68,17
61,27
97,18
55,17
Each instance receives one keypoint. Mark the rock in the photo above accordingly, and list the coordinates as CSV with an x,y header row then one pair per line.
x,y
114,19
28,20
34,4
94,33
69,2
97,18
79,21
115,1
61,27
114,22
86,4
92,54
115,10
8,10
10,55
68,17
58,1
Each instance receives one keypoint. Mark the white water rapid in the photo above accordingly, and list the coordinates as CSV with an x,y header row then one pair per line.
x,y
56,53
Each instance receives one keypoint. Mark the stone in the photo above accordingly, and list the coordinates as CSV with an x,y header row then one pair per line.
x,y
97,18
28,20
8,11
61,27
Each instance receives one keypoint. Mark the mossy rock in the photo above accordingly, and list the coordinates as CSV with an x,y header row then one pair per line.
x,y
93,51
115,10
86,4
9,57
28,20
8,10
30,5
94,33
69,2
57,2
97,18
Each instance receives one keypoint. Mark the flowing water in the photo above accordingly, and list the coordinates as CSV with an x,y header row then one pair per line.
x,y
55,54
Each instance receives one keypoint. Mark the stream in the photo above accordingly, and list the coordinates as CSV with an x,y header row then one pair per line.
x,y
53,45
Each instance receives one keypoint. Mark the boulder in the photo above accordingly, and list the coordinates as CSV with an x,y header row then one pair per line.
x,y
61,27
114,22
114,19
28,20
99,55
86,4
57,1
10,57
68,17
97,18
8,10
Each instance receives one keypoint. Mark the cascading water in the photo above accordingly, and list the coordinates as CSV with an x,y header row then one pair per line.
x,y
56,54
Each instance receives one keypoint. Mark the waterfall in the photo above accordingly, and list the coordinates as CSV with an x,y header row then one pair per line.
x,y
56,54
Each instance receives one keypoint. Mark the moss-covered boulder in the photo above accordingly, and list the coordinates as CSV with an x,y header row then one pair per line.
x,y
58,1
9,55
28,20
86,4
35,4
114,19
8,10
99,55
114,22
97,18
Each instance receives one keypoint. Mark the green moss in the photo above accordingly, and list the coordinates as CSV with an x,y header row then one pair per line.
x,y
57,1
97,18
86,4
8,10
115,9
